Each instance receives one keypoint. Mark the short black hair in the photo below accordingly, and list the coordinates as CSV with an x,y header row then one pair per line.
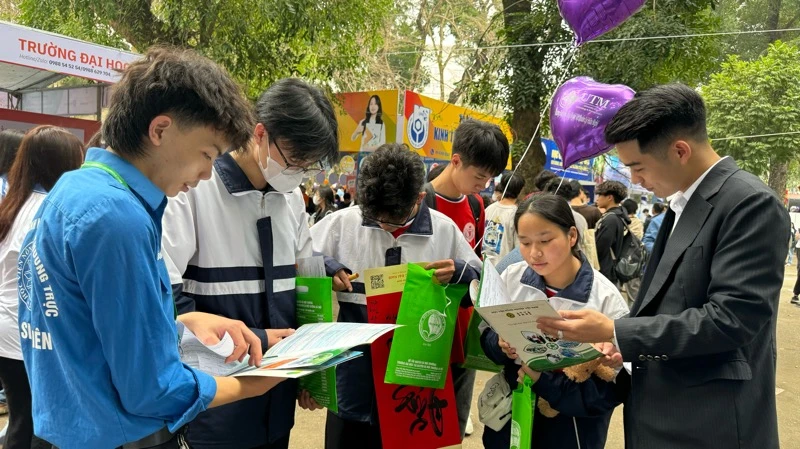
x,y
541,180
436,171
577,188
301,117
630,206
511,184
554,209
389,182
481,144
657,116
613,188
189,87
9,144
659,208
558,187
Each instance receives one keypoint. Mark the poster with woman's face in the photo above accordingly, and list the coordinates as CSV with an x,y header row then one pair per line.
x,y
367,120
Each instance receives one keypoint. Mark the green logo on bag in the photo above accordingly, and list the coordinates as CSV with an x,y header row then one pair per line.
x,y
432,325
515,434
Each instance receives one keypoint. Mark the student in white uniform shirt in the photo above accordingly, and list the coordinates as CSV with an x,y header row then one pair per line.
x,y
44,155
392,225
554,269
233,241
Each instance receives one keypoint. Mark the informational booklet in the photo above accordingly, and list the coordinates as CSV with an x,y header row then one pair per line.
x,y
516,324
317,338
314,347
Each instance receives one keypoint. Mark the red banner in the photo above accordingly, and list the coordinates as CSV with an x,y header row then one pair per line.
x,y
422,418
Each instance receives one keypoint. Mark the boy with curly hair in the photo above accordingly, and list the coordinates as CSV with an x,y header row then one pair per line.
x,y
392,225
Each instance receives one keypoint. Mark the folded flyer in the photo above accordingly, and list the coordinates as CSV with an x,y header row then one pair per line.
x,y
313,348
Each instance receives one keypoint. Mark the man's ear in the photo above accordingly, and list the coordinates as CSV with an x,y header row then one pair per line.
x,y
260,133
683,150
158,125
421,197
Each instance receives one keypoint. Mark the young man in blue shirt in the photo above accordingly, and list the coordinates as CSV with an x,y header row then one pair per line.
x,y
97,318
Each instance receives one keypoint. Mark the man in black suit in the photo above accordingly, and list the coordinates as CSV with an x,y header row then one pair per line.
x,y
700,337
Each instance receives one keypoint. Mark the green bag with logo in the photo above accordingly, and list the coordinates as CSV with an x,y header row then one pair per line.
x,y
420,354
522,399
315,305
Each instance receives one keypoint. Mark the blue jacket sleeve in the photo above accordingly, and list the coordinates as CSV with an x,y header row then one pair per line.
x,y
489,340
132,313
593,397
650,235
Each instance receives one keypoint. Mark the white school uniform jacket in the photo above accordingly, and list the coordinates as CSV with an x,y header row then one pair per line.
x,y
231,250
358,245
591,290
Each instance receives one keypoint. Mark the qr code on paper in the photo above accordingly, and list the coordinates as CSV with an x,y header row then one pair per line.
x,y
376,281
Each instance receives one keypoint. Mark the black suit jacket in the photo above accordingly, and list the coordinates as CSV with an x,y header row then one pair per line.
x,y
701,334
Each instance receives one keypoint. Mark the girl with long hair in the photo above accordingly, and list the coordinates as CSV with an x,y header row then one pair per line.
x,y
46,152
555,270
9,144
372,129
323,200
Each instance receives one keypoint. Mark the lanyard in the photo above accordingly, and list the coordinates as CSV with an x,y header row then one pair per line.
x,y
118,177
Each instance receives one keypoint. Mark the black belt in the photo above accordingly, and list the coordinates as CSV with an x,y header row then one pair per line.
x,y
154,439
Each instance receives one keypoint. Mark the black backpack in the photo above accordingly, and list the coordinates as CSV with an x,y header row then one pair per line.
x,y
475,204
632,257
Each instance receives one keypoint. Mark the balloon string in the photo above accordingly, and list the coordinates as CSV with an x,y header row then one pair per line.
x,y
533,137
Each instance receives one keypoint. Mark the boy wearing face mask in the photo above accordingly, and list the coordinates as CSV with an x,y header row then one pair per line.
x,y
232,242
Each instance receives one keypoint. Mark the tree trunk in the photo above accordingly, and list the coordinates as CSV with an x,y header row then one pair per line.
x,y
525,115
524,123
774,19
778,178
778,171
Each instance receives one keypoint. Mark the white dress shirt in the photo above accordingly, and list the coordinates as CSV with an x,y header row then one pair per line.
x,y
679,200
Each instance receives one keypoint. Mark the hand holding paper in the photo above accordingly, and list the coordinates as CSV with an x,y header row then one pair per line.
x,y
507,349
210,329
584,326
276,335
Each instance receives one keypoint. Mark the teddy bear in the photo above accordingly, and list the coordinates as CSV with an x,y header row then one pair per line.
x,y
579,373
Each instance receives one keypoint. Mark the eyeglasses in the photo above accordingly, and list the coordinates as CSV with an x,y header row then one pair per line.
x,y
291,169
390,223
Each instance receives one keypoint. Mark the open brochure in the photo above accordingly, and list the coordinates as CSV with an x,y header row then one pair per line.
x,y
515,322
313,348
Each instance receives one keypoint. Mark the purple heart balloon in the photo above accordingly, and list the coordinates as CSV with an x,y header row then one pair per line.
x,y
581,109
592,18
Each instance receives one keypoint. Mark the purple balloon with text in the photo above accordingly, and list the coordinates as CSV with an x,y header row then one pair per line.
x,y
589,19
581,109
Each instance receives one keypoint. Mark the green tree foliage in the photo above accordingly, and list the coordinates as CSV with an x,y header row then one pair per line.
x,y
258,42
754,98
530,72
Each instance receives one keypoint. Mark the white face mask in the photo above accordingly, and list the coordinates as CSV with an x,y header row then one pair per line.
x,y
317,200
272,174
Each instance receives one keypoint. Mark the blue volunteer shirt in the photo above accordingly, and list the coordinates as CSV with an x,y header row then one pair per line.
x,y
96,314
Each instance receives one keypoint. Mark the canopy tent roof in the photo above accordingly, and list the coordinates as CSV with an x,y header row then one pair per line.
x,y
34,59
